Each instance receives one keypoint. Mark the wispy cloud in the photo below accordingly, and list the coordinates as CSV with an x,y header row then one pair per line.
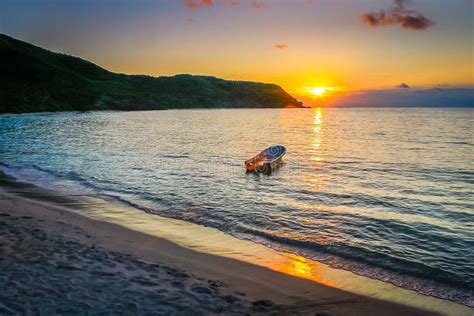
x,y
258,5
196,4
232,3
398,14
281,46
199,4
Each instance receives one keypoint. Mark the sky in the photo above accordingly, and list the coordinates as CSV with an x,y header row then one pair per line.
x,y
342,46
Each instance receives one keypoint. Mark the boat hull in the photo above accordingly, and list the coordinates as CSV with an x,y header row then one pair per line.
x,y
267,161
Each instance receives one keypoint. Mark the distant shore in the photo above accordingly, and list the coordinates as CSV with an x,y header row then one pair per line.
x,y
71,83
112,268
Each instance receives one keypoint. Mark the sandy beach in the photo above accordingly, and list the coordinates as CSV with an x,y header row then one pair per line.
x,y
56,261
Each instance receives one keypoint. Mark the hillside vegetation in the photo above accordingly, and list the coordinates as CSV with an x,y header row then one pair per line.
x,y
33,79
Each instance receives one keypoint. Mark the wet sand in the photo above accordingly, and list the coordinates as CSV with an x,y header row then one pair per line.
x,y
57,261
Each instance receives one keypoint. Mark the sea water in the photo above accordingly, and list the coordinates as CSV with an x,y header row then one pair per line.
x,y
385,193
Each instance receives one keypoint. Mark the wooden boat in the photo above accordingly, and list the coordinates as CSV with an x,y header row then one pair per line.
x,y
266,161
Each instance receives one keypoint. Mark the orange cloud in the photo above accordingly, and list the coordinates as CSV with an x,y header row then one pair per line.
x,y
196,4
281,46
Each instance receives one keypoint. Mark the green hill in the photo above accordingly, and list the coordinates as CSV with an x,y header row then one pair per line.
x,y
33,79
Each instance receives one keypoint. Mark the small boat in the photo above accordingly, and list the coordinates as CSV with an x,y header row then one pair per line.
x,y
266,161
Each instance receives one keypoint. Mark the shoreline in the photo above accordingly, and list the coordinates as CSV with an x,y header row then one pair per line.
x,y
237,108
258,283
263,290
170,109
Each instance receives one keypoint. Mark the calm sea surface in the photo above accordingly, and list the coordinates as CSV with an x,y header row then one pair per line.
x,y
387,193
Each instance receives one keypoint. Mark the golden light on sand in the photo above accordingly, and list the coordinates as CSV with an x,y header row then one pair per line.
x,y
294,265
301,267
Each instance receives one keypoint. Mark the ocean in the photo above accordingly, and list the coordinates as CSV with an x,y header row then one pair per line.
x,y
384,193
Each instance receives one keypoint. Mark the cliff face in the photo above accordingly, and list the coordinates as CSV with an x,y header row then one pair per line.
x,y
33,79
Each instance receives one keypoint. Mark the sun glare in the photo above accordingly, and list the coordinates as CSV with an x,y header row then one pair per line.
x,y
321,92
318,91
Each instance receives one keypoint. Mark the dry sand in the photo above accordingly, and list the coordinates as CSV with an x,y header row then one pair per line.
x,y
56,261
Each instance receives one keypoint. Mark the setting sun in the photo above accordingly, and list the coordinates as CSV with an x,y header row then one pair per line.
x,y
318,91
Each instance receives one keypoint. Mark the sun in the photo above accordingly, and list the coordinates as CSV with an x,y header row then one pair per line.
x,y
319,91
322,92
